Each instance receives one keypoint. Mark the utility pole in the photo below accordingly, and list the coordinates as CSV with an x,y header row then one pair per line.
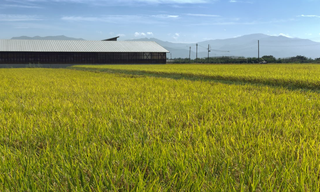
x,y
189,54
258,51
196,51
208,51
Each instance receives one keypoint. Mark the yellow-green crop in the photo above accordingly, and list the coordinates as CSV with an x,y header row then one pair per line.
x,y
295,75
69,130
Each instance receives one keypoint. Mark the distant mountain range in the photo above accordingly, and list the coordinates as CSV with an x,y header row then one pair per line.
x,y
245,46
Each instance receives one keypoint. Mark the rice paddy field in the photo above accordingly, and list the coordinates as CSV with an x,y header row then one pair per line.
x,y
297,75
160,128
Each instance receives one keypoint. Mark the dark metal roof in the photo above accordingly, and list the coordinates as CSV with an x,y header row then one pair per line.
x,y
112,39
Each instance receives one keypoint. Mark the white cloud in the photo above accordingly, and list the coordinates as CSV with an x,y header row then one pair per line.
x,y
6,6
165,16
237,1
142,34
202,15
123,19
285,35
138,34
173,1
11,18
125,1
224,23
311,16
145,1
119,19
28,25
176,36
79,18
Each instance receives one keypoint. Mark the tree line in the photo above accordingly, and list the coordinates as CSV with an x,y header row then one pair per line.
x,y
249,60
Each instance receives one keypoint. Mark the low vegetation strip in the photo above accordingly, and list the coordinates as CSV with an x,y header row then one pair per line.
x,y
289,75
69,130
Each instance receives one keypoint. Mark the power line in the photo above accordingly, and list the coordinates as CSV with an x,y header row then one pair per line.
x,y
290,45
197,51
213,49
208,51
251,46
189,54
258,50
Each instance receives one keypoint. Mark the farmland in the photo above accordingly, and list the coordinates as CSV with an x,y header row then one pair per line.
x,y
160,128
296,75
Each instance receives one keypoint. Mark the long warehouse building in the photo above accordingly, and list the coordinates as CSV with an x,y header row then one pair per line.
x,y
81,52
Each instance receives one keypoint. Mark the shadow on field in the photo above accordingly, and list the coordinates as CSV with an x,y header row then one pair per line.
x,y
291,85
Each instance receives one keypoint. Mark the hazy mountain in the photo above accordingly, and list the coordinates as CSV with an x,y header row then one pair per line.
x,y
60,37
246,46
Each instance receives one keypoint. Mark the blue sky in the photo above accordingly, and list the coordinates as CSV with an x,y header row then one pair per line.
x,y
169,20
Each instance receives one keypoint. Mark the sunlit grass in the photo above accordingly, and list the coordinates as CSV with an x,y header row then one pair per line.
x,y
68,130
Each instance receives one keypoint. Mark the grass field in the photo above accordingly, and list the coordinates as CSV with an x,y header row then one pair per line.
x,y
80,130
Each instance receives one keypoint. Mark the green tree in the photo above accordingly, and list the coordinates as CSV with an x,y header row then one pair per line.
x,y
269,58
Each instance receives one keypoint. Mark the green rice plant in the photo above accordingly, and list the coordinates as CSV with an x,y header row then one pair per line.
x,y
70,130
